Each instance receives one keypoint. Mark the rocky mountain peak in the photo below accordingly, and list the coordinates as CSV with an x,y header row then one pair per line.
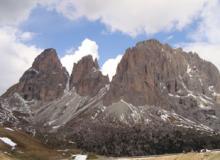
x,y
150,71
86,77
45,80
47,60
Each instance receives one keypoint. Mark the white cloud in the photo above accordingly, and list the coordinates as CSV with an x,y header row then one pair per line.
x,y
208,27
206,38
134,17
26,36
87,47
206,51
153,16
16,57
110,66
13,12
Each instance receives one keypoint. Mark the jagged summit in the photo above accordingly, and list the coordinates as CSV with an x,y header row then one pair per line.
x,y
150,70
47,60
149,42
45,80
86,77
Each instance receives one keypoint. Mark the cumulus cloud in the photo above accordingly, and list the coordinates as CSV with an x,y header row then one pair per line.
x,y
110,66
209,24
26,36
13,12
134,17
206,37
16,57
87,47
206,51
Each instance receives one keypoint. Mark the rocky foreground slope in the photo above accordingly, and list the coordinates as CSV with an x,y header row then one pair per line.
x,y
160,100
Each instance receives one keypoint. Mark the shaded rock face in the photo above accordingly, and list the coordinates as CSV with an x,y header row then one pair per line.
x,y
45,80
150,71
86,77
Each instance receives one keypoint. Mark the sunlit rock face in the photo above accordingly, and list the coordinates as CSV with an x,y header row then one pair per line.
x,y
46,80
87,78
150,71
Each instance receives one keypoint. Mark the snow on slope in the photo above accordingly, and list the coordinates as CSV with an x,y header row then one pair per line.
x,y
80,157
8,142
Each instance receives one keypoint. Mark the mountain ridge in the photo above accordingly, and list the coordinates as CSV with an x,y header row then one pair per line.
x,y
160,100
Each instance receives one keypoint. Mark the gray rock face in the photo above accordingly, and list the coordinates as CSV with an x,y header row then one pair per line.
x,y
150,71
44,81
160,100
86,77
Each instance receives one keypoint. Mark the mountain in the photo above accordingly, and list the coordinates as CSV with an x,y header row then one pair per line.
x,y
161,100
45,80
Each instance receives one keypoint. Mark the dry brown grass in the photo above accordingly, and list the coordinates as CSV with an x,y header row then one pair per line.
x,y
5,157
27,147
188,156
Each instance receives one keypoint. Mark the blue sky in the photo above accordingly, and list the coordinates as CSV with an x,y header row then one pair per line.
x,y
104,29
55,30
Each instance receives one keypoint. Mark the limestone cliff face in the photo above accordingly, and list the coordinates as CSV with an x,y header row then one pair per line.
x,y
149,72
86,77
45,80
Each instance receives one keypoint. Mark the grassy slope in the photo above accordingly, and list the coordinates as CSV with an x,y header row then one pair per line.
x,y
27,147
5,157
188,156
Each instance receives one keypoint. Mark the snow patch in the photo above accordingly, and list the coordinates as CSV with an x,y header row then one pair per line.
x,y
213,116
33,70
94,69
122,117
51,122
202,106
8,142
164,116
56,127
200,80
211,88
172,95
189,70
80,157
107,86
184,126
103,108
9,129
147,121
181,121
99,110
94,116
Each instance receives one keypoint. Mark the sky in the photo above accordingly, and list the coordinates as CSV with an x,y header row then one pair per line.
x,y
102,28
